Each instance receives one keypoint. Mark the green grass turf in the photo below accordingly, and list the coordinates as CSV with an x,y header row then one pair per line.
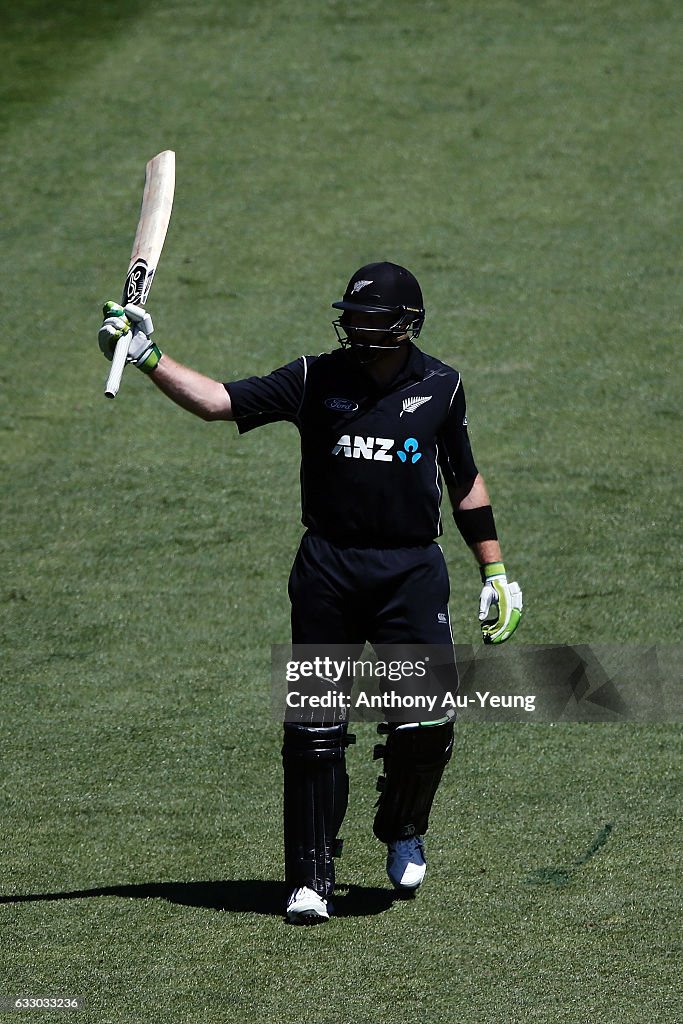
x,y
524,160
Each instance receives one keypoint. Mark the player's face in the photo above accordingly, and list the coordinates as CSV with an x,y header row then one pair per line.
x,y
370,328
370,334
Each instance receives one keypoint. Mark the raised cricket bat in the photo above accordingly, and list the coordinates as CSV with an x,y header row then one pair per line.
x,y
155,213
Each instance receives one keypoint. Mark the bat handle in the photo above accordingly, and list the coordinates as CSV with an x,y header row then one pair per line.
x,y
117,366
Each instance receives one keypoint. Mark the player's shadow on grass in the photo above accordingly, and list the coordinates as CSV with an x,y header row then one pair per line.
x,y
239,896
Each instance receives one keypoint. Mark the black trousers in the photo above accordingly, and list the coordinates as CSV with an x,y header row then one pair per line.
x,y
351,595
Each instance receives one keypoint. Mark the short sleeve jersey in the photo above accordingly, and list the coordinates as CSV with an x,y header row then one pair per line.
x,y
373,459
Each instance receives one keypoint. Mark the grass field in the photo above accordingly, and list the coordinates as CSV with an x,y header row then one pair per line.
x,y
524,161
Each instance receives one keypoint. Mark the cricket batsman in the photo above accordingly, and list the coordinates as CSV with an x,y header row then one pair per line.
x,y
383,434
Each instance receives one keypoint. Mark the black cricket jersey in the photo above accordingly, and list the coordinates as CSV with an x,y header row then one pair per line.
x,y
373,459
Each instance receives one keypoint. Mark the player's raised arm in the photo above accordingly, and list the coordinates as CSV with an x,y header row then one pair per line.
x,y
199,394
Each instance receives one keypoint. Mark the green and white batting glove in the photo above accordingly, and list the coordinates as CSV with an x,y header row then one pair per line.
x,y
120,320
500,604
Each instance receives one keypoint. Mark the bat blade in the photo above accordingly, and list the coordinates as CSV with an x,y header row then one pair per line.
x,y
155,214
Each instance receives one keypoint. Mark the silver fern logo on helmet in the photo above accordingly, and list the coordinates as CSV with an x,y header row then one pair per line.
x,y
358,285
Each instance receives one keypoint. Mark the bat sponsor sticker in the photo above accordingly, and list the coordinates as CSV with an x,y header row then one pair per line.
x,y
138,283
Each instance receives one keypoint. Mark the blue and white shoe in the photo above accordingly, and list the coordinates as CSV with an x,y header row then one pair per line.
x,y
406,865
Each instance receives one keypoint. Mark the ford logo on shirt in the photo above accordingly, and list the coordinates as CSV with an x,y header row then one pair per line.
x,y
341,404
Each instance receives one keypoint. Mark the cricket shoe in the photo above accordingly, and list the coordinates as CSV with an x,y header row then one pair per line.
x,y
305,906
406,865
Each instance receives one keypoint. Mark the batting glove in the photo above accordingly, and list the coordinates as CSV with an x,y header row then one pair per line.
x,y
142,351
500,604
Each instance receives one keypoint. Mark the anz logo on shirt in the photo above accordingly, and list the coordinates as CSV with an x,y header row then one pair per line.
x,y
377,449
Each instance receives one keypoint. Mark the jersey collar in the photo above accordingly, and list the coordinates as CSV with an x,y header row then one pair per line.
x,y
413,369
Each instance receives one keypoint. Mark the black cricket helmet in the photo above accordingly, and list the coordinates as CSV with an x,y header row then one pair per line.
x,y
392,295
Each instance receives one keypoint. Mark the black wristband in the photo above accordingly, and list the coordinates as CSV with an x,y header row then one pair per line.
x,y
476,524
